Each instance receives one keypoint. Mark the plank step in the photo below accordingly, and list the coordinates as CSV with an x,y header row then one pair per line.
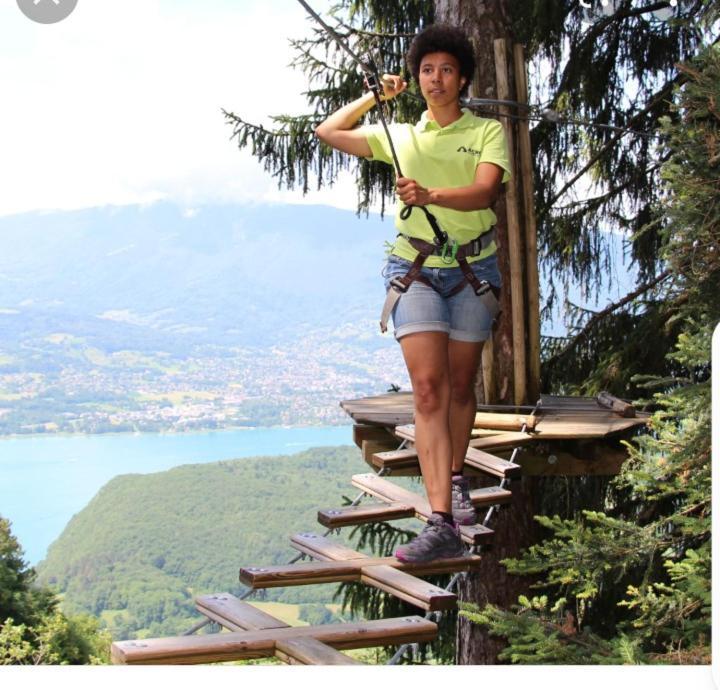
x,y
376,572
360,515
318,572
491,464
504,441
255,644
387,491
235,614
310,652
476,457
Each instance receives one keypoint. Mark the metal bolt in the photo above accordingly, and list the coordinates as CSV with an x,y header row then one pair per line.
x,y
552,459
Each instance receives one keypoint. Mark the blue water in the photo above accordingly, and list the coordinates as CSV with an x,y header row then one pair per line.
x,y
45,480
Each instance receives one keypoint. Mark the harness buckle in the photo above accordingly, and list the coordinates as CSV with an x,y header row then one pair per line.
x,y
483,288
453,249
399,285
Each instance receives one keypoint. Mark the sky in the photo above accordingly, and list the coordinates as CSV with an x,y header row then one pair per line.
x,y
120,103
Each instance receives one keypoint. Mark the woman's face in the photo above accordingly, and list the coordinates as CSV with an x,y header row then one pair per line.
x,y
440,80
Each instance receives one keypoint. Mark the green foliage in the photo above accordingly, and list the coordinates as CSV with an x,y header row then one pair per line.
x,y
32,628
147,544
632,584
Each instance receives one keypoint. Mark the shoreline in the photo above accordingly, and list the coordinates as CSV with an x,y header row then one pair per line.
x,y
83,434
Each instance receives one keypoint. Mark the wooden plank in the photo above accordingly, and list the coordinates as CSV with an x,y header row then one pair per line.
x,y
387,491
487,366
396,459
504,422
580,425
385,410
218,647
507,440
296,574
370,448
322,548
490,495
318,572
499,441
515,244
368,432
310,652
531,254
405,431
492,464
408,588
234,614
624,409
363,514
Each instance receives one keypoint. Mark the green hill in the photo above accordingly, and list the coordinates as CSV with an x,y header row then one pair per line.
x,y
146,544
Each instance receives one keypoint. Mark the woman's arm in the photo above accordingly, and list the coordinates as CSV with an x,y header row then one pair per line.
x,y
339,130
480,194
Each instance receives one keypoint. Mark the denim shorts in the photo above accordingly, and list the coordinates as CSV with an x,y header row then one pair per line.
x,y
463,316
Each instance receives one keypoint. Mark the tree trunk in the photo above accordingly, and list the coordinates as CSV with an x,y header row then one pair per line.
x,y
514,529
485,21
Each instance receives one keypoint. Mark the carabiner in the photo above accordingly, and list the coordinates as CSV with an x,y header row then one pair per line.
x,y
453,245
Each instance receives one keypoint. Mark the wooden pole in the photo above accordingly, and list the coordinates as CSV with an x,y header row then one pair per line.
x,y
488,372
515,247
531,258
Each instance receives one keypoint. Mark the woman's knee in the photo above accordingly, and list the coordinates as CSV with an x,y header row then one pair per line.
x,y
462,390
430,393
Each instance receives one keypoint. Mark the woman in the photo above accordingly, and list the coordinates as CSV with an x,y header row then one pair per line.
x,y
454,163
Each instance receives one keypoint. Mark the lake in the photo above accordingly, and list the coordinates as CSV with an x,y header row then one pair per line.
x,y
45,480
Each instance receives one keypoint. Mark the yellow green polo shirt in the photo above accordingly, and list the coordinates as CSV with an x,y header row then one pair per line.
x,y
442,157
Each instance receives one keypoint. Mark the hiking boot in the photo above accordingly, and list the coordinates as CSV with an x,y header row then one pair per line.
x,y
462,508
437,540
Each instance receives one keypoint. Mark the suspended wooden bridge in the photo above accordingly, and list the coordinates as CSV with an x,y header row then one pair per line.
x,y
558,436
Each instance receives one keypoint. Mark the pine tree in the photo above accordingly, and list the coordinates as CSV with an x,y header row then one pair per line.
x,y
632,584
32,628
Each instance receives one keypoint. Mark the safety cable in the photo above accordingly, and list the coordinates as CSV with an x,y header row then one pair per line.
x,y
372,79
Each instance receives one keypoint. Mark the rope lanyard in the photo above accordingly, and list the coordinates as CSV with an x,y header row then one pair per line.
x,y
372,78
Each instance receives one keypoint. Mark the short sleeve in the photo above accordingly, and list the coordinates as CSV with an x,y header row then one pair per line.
x,y
494,148
378,142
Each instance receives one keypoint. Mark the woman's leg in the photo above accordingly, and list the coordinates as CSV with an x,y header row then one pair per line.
x,y
464,360
426,357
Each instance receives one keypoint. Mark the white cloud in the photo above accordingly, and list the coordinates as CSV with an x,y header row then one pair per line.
x,y
121,102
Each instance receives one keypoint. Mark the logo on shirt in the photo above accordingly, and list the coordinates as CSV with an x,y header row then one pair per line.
x,y
467,149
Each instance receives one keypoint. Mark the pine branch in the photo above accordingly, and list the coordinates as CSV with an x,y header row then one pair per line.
x,y
599,316
657,98
232,117
373,34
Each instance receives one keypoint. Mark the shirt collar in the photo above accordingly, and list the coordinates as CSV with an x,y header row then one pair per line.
x,y
427,125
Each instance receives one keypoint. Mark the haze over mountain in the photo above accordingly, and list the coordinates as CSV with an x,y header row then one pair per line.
x,y
242,275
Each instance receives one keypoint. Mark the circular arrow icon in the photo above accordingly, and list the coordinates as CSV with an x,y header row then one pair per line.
x,y
47,11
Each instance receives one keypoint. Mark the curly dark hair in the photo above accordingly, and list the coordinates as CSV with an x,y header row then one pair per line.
x,y
443,38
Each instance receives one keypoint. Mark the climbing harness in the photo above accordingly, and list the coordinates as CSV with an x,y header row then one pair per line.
x,y
454,252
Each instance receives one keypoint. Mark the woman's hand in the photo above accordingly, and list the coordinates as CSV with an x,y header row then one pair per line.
x,y
392,86
411,193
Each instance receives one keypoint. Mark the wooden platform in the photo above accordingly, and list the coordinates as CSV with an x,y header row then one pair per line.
x,y
558,417
565,436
